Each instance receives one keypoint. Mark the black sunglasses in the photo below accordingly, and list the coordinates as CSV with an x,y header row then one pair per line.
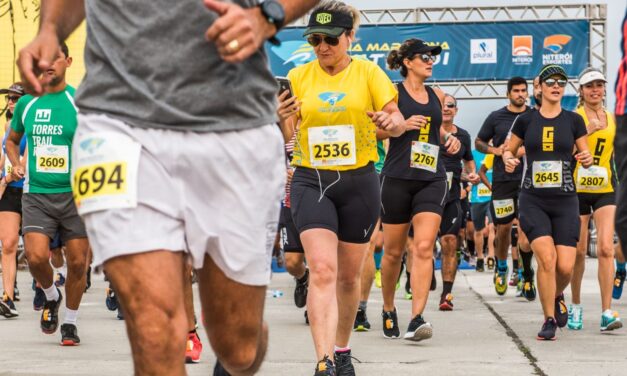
x,y
552,81
12,98
425,58
450,105
315,40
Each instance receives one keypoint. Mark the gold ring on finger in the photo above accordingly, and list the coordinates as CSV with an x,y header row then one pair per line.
x,y
233,45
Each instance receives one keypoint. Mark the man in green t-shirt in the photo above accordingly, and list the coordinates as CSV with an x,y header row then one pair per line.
x,y
49,122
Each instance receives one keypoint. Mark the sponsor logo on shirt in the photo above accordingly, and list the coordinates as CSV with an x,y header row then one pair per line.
x,y
522,49
43,115
91,144
483,51
547,138
556,44
331,98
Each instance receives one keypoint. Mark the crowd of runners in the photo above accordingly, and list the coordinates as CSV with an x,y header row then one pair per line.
x,y
380,179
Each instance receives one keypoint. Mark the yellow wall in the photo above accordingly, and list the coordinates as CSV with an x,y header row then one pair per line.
x,y
21,28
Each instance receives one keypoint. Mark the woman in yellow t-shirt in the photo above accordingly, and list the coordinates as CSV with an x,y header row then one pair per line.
x,y
335,190
596,194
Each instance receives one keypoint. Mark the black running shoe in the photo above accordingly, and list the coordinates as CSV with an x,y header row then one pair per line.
x,y
112,300
39,300
50,315
325,367
306,318
344,363
361,321
218,370
7,307
480,267
418,329
300,292
390,324
529,290
547,333
69,335
120,315
561,311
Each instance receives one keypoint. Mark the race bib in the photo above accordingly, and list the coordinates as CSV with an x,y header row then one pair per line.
x,y
547,174
424,156
52,159
105,172
483,191
592,178
449,179
503,208
332,145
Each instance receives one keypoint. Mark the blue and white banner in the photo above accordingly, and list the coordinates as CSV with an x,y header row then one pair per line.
x,y
470,51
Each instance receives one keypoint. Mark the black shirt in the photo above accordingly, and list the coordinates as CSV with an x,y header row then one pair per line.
x,y
548,151
399,157
453,162
496,127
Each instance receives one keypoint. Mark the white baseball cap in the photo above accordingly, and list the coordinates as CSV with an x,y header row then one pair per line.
x,y
591,75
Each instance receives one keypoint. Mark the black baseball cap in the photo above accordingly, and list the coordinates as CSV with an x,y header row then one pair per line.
x,y
552,70
329,23
418,46
16,88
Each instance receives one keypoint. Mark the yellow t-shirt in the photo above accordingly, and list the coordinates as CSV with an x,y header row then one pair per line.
x,y
488,161
599,178
338,105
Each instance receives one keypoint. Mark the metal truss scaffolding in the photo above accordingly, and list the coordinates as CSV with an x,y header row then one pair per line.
x,y
596,14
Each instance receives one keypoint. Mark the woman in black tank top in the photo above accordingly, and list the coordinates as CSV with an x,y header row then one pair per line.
x,y
413,187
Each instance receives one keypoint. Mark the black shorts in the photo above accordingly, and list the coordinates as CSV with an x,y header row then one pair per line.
x,y
345,202
451,218
589,202
555,216
290,240
479,211
402,199
12,200
504,204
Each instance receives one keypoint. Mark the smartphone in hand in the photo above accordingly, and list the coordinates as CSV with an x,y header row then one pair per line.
x,y
285,84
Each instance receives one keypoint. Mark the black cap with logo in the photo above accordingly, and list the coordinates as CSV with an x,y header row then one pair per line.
x,y
329,23
551,70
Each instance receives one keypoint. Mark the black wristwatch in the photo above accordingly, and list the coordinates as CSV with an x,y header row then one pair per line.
x,y
273,11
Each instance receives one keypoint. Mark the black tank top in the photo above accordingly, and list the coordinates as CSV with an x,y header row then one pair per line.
x,y
399,160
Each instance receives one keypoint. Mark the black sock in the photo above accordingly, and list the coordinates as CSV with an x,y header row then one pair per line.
x,y
305,276
485,245
471,246
447,288
526,261
515,265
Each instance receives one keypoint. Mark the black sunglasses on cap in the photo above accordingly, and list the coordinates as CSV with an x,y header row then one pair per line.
x,y
315,40
552,81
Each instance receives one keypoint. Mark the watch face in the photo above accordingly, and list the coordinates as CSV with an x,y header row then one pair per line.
x,y
274,10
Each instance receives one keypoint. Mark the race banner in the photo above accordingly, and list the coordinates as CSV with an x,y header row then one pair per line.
x,y
470,51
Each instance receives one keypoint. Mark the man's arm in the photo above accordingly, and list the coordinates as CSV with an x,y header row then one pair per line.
x,y
58,19
13,153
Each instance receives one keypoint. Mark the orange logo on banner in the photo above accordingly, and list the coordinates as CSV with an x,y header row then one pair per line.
x,y
522,45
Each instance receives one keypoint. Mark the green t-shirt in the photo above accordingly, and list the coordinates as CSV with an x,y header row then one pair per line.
x,y
49,123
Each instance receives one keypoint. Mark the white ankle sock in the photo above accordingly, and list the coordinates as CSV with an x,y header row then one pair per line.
x,y
70,316
52,294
